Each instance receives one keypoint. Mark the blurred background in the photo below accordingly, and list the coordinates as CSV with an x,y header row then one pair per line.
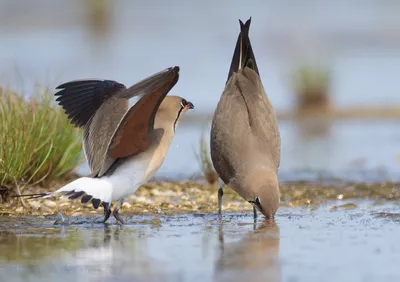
x,y
330,68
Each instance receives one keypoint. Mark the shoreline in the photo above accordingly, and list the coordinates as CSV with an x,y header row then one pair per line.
x,y
391,112
169,198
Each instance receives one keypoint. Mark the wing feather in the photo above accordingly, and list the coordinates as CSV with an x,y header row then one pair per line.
x,y
132,135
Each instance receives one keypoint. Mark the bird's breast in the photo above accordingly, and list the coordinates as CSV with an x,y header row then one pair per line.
x,y
157,153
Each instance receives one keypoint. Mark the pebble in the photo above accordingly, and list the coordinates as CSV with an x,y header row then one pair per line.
x,y
46,210
126,205
19,209
50,204
156,221
64,204
34,204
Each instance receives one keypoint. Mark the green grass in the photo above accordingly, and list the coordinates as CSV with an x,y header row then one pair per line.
x,y
37,142
311,85
206,166
311,78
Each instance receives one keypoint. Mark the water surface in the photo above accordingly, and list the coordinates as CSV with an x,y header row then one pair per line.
x,y
359,244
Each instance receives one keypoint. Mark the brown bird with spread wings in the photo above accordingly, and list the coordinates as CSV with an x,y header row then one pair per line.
x,y
245,140
124,147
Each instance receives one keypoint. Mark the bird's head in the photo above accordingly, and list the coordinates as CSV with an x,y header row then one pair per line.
x,y
263,193
172,109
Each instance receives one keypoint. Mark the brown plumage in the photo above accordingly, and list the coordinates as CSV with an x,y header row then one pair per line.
x,y
99,105
124,147
245,140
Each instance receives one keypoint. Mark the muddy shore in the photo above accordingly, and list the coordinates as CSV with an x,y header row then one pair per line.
x,y
168,198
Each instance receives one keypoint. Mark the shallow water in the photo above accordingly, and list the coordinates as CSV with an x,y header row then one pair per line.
x,y
358,150
335,149
360,244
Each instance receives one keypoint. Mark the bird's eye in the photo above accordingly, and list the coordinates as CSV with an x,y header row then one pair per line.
x,y
183,103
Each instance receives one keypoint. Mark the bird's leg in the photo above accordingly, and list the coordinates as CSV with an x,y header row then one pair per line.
x,y
61,220
255,212
116,212
220,194
107,211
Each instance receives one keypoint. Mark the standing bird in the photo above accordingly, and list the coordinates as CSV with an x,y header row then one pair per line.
x,y
245,140
124,147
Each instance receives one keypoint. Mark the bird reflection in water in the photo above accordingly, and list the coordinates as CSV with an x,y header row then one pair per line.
x,y
254,258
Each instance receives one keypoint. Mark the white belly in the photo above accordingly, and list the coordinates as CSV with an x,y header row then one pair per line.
x,y
127,178
132,174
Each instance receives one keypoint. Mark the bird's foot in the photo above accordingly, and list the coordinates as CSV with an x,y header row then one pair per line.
x,y
118,217
255,213
220,194
61,220
107,211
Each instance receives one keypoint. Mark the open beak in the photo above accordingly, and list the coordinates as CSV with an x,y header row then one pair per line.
x,y
189,105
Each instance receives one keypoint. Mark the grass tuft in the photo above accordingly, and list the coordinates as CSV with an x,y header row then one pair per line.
x,y
204,160
312,87
37,141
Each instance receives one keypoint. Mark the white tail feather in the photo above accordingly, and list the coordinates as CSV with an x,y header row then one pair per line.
x,y
96,187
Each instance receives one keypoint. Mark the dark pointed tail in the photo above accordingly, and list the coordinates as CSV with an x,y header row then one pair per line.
x,y
32,196
243,55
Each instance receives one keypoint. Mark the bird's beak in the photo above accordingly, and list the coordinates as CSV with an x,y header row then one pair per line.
x,y
189,105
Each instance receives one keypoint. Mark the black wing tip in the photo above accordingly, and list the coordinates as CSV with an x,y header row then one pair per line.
x,y
246,24
79,82
248,59
175,69
243,55
81,99
244,29
175,79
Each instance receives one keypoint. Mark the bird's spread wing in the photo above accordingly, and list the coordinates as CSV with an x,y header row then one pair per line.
x,y
82,98
149,84
132,135
98,132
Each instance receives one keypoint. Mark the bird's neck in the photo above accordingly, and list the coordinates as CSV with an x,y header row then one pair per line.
x,y
161,140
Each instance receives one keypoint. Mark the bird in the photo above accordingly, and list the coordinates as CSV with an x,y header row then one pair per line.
x,y
124,147
244,139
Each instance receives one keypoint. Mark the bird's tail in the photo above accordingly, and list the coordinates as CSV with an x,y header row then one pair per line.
x,y
88,189
243,55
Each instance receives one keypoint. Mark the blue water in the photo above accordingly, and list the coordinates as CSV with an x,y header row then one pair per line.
x,y
301,245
